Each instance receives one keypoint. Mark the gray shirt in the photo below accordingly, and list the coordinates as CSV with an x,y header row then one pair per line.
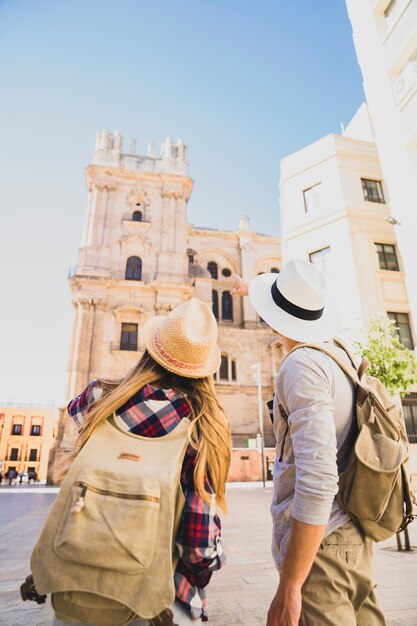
x,y
319,400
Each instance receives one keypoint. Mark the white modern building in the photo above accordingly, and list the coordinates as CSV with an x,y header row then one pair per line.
x,y
385,38
335,212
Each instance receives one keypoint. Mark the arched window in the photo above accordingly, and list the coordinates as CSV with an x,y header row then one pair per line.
x,y
133,268
227,306
137,216
215,303
213,269
274,270
224,368
233,369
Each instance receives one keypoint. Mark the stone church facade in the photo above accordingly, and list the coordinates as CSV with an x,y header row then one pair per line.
x,y
139,258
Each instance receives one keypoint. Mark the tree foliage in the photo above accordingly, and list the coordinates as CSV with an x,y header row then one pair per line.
x,y
395,366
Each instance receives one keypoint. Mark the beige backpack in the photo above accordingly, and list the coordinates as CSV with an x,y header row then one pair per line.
x,y
375,489
107,552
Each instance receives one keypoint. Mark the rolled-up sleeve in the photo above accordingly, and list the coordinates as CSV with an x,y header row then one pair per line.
x,y
305,392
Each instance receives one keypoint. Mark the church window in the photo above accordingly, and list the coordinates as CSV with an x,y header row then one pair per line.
x,y
215,303
224,368
137,216
213,269
227,306
233,372
133,268
226,272
129,337
227,370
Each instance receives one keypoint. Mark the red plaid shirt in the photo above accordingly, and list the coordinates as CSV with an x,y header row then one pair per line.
x,y
198,538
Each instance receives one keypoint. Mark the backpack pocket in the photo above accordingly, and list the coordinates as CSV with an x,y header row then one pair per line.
x,y
110,521
376,473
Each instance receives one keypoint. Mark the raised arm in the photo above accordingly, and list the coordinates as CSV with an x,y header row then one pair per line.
x,y
241,287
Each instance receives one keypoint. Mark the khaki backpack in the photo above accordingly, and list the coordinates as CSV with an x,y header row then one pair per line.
x,y
107,552
375,489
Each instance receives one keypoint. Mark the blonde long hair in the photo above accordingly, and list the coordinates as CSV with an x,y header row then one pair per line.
x,y
209,432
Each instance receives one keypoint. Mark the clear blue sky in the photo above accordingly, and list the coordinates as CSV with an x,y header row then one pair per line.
x,y
243,83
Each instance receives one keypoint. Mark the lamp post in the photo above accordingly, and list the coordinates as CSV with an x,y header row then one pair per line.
x,y
257,376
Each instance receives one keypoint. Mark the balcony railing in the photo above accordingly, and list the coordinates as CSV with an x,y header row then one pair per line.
x,y
146,277
128,217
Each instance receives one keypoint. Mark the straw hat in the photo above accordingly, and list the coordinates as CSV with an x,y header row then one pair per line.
x,y
294,302
184,342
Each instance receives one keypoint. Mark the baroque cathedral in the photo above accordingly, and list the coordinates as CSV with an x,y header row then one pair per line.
x,y
139,258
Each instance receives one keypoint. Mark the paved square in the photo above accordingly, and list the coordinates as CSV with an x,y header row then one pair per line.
x,y
238,594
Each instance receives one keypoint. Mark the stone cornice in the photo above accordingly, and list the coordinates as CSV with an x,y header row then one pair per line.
x,y
98,174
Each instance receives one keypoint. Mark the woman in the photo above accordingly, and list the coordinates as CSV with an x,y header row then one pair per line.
x,y
172,381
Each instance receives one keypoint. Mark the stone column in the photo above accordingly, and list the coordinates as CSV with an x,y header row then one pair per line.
x,y
246,238
81,355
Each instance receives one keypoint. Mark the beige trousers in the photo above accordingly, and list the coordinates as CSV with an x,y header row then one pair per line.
x,y
181,618
340,588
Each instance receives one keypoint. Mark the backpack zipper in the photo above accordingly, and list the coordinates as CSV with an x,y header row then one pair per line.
x,y
79,505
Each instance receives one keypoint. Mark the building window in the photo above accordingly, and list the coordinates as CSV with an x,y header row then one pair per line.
x,y
227,371
33,455
409,403
17,429
321,258
215,303
133,268
213,269
233,372
226,272
274,270
35,431
313,198
224,368
387,257
129,337
227,306
137,216
402,325
372,190
14,454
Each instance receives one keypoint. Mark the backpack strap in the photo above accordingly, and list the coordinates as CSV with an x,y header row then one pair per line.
x,y
351,372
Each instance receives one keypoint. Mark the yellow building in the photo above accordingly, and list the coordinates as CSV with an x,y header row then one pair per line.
x,y
27,434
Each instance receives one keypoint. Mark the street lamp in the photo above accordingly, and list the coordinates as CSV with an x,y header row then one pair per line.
x,y
257,376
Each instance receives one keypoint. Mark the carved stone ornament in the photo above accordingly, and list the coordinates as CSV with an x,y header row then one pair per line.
x,y
247,246
163,308
105,186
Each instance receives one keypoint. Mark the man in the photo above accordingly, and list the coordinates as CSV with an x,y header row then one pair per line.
x,y
325,562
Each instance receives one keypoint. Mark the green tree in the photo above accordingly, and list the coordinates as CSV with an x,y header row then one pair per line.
x,y
395,366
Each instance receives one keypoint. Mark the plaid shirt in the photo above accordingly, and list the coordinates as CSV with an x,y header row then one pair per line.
x,y
153,412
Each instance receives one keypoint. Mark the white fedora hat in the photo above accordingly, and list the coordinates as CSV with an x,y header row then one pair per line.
x,y
294,302
185,341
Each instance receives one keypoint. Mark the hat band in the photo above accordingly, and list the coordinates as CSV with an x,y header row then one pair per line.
x,y
293,309
184,366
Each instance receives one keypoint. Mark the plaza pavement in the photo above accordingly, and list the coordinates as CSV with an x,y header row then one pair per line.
x,y
238,594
